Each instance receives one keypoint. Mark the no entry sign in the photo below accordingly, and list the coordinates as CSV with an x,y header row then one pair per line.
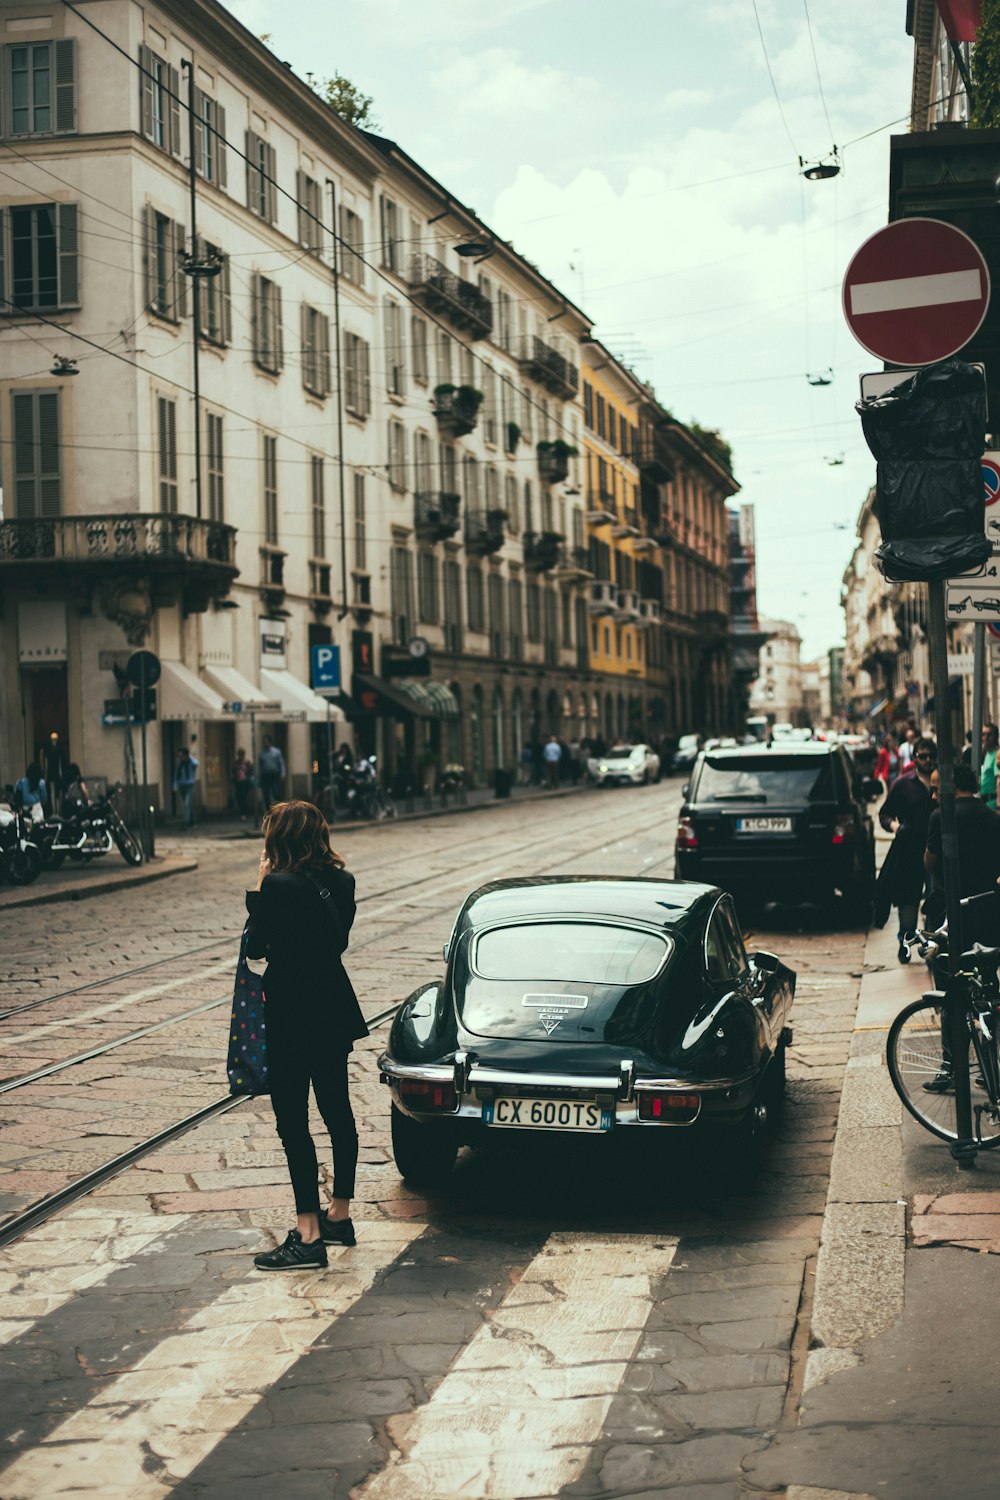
x,y
916,292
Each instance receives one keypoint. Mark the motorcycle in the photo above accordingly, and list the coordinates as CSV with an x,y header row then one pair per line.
x,y
20,856
93,830
361,793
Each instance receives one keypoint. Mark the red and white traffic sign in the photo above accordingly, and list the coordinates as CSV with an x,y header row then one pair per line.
x,y
916,292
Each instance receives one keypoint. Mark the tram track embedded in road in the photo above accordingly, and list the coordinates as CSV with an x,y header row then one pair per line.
x,y
45,1208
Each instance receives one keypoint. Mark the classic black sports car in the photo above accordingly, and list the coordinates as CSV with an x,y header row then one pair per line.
x,y
588,1005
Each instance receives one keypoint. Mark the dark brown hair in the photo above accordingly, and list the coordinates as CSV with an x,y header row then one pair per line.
x,y
296,837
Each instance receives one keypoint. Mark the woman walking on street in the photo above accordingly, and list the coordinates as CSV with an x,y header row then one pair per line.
x,y
300,917
887,762
906,813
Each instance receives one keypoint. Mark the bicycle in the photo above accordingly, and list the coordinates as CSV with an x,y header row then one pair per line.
x,y
918,1052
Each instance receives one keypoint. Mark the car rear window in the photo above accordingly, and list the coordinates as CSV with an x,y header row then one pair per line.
x,y
766,779
580,952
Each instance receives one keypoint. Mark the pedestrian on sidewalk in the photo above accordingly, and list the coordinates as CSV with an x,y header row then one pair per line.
x,y
300,917
271,765
185,777
906,814
56,759
552,755
526,761
242,783
887,762
988,775
30,792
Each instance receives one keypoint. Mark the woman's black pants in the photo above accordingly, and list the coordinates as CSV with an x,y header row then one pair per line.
x,y
303,1049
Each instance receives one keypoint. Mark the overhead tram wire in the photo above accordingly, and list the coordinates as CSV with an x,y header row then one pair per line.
x,y
819,81
770,74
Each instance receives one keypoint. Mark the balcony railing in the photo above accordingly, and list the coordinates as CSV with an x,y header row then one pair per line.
x,y
600,511
650,612
553,462
651,461
626,606
484,531
603,597
436,514
574,563
629,524
539,360
541,550
456,408
150,540
463,304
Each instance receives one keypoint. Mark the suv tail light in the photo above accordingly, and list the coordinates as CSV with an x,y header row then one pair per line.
x,y
843,831
428,1098
667,1108
686,836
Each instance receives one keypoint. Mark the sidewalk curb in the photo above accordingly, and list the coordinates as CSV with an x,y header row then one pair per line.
x,y
861,1267
115,880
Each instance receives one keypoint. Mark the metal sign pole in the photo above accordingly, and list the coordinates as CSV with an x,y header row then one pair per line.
x,y
253,761
963,1151
978,693
146,821
329,753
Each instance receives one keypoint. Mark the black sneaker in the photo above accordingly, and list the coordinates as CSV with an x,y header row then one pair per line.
x,y
293,1255
904,953
944,1083
336,1231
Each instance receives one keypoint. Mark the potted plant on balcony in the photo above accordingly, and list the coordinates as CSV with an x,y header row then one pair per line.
x,y
553,460
457,407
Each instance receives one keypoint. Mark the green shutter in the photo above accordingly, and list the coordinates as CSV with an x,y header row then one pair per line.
x,y
221,176
279,332
227,307
325,383
69,278
149,255
49,479
199,130
249,143
180,276
300,207
23,407
174,112
146,92
308,355
365,379
255,317
65,84
271,184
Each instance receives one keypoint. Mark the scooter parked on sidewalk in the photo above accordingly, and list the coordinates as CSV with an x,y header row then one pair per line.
x,y
93,830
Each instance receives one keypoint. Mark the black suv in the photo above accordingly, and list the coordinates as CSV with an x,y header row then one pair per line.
x,y
781,822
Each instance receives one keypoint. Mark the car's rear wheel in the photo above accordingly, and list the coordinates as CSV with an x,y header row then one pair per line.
x,y
424,1154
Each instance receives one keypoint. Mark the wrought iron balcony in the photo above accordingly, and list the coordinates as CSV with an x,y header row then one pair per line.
x,y
436,514
539,360
574,563
484,531
179,555
651,460
553,461
463,304
456,408
541,550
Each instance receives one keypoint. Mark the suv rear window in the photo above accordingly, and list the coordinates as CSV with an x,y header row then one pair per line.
x,y
774,780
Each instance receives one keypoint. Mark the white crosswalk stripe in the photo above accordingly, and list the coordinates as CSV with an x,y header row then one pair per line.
x,y
47,1269
150,1428
517,1414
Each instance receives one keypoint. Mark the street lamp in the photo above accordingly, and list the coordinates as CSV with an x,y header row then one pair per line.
x,y
819,171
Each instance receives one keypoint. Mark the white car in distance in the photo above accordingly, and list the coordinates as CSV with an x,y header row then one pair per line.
x,y
628,765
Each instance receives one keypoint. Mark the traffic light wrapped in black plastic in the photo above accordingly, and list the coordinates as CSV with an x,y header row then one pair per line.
x,y
928,436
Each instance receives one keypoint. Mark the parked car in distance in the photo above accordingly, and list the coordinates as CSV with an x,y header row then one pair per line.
x,y
788,821
686,753
589,1005
625,765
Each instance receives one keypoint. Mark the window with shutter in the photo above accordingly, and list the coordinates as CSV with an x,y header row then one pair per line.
x,y
215,313
389,213
40,256
418,345
395,382
165,279
474,598
452,606
213,464
267,327
262,197
270,477
427,587
360,523
516,614
39,88
397,455
37,454
350,250
318,505
166,425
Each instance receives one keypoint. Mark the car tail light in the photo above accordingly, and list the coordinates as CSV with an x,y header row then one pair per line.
x,y
670,1108
428,1098
686,836
843,831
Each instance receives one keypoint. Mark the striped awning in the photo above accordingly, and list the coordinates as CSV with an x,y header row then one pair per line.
x,y
878,707
444,700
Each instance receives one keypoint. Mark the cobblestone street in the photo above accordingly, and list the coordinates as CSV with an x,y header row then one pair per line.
x,y
556,1321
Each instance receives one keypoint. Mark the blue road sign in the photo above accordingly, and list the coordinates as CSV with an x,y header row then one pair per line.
x,y
991,478
325,661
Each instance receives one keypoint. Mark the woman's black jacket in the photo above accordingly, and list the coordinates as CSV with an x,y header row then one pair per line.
x,y
290,927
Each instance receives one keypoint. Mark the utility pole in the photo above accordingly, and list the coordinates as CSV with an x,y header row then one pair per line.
x,y
345,608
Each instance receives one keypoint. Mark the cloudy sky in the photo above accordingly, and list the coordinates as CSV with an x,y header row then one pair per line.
x,y
637,153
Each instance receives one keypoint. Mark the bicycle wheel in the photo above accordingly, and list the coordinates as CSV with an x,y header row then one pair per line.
x,y
916,1057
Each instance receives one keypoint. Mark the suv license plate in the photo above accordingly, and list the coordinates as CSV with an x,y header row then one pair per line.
x,y
547,1114
763,825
